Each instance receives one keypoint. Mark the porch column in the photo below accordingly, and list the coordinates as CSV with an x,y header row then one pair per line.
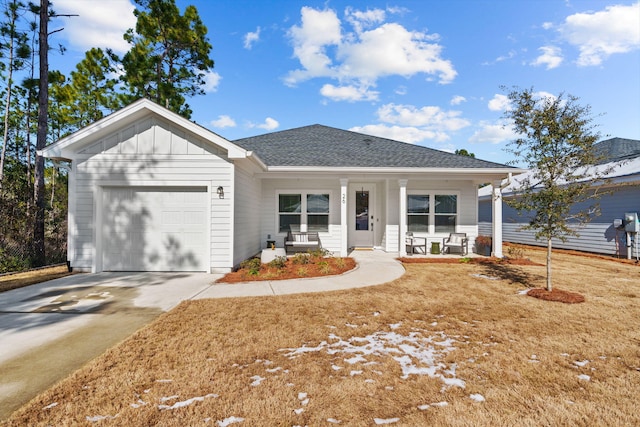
x,y
344,222
496,213
403,217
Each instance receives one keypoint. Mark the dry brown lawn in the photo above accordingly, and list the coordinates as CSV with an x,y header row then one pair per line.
x,y
18,280
446,344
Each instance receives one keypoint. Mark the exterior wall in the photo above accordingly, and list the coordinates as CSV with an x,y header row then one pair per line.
x,y
150,152
467,208
599,236
247,213
269,206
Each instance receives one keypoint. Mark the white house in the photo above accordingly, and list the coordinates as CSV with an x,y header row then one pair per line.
x,y
622,157
152,191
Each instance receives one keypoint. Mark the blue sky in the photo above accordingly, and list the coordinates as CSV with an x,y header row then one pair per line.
x,y
423,72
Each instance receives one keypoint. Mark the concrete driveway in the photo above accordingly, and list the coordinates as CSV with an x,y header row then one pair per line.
x,y
48,330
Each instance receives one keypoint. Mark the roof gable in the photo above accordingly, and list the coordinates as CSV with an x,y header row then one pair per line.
x,y
323,146
122,121
617,149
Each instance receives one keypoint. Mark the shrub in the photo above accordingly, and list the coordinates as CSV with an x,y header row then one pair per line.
x,y
279,262
483,240
341,263
319,253
302,271
515,252
252,265
324,267
301,259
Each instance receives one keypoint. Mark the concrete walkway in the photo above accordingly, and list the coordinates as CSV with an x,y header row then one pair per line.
x,y
49,330
374,268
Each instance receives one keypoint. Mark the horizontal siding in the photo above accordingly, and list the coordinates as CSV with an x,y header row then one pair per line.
x,y
598,236
247,231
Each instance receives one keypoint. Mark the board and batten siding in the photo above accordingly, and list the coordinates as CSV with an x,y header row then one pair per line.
x,y
148,153
598,236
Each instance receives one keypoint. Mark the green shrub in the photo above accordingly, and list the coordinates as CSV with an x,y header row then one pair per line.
x,y
302,271
10,264
324,267
319,253
279,262
252,265
341,263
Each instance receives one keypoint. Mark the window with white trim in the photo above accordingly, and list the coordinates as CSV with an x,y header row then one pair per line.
x,y
432,212
305,210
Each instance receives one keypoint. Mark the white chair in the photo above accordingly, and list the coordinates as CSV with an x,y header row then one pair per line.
x,y
456,241
413,243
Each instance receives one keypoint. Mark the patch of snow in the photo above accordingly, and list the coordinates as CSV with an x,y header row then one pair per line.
x,y
523,292
302,396
273,370
97,418
164,381
333,421
424,407
298,411
584,377
354,373
380,421
395,325
305,402
482,276
580,363
51,405
336,367
389,387
441,404
434,324
376,313
355,359
138,404
228,421
257,380
165,399
187,402
477,397
351,325
564,354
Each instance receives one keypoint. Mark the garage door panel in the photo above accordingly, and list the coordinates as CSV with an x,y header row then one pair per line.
x,y
155,229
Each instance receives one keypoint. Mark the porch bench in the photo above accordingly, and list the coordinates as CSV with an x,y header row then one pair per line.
x,y
301,241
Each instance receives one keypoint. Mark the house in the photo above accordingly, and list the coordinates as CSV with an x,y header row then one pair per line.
x,y
620,155
152,191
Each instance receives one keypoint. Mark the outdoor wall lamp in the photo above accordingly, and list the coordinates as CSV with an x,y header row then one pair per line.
x,y
220,192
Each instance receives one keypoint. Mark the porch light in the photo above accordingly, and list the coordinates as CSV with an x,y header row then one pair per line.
x,y
220,192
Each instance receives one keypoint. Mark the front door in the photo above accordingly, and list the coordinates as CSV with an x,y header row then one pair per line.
x,y
361,215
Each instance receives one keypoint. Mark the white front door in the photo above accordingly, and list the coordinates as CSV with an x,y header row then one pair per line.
x,y
361,215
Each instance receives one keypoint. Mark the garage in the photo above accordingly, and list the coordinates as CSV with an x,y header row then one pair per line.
x,y
155,229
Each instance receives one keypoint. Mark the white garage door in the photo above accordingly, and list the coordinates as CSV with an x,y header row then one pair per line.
x,y
154,229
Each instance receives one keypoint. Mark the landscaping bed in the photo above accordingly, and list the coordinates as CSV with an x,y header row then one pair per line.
x,y
302,265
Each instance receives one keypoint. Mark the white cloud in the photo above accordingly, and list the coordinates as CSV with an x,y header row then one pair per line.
x,y
457,100
100,24
251,37
430,117
269,124
401,90
551,57
212,80
408,134
223,121
494,133
348,93
598,35
499,102
373,49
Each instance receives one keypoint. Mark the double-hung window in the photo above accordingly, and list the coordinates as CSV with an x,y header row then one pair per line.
x,y
431,213
303,211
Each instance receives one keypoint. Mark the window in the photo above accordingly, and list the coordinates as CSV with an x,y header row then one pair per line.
x,y
289,209
317,212
446,212
432,213
418,213
307,209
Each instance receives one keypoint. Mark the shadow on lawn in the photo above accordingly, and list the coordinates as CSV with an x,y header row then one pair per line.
x,y
512,273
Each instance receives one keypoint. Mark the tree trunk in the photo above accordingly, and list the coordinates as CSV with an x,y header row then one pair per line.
x,y
549,265
39,257
5,139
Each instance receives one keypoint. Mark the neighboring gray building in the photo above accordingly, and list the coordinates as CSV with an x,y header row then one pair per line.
x,y
600,235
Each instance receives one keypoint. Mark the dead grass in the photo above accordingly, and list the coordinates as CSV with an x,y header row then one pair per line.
x,y
18,280
534,362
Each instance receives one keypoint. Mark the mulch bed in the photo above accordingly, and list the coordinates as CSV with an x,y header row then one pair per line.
x,y
556,295
509,261
334,266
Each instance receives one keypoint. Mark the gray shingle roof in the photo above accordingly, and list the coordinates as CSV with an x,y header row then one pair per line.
x,y
324,146
617,149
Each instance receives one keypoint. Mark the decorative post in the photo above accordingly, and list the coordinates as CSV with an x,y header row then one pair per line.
x,y
344,222
496,222
403,216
